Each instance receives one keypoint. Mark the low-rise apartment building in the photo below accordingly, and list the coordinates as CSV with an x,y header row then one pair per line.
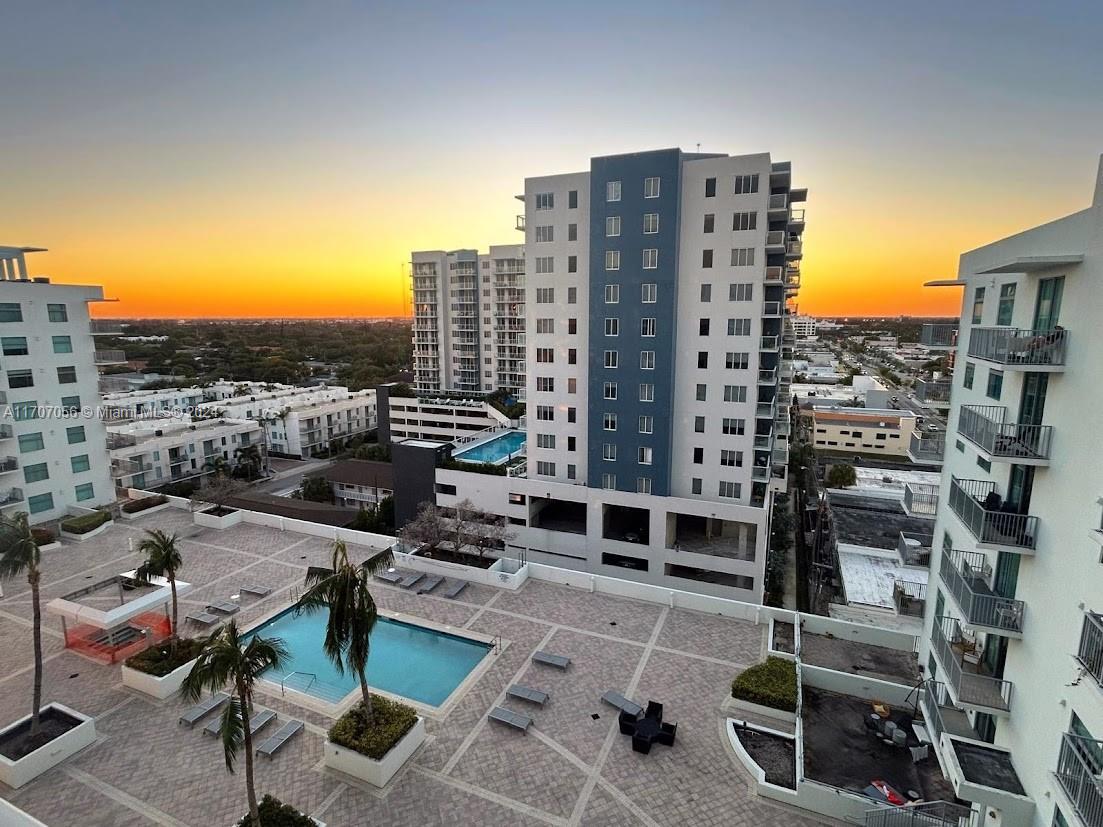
x,y
428,416
868,431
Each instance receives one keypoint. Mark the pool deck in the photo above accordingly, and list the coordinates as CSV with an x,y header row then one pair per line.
x,y
569,770
479,443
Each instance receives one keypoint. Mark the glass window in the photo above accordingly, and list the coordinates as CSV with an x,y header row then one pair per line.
x,y
612,226
545,234
84,491
80,463
545,200
57,313
612,259
67,375
647,392
609,452
644,455
651,187
75,434
710,222
14,345
650,259
610,390
696,481
572,267
36,473
609,422
647,360
706,293
647,425
608,481
612,327
10,312
572,232
978,305
612,190
746,184
31,442
612,294
21,411
1006,307
20,379
970,369
40,502
63,344
698,424
643,484
612,358
706,259
729,489
995,384
649,293
650,223
710,192
572,199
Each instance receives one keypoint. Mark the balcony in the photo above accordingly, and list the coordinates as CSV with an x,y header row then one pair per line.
x,y
769,343
910,597
760,473
962,666
928,814
914,548
105,328
765,410
12,496
978,506
6,431
775,241
1078,773
772,309
1090,653
8,464
927,448
794,249
966,576
938,336
983,425
120,441
110,357
521,223
778,206
767,376
934,394
1033,350
129,467
775,275
921,500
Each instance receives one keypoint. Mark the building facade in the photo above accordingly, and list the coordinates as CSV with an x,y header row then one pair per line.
x,y
865,431
1014,633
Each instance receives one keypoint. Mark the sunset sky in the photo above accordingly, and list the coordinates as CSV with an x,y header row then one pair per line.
x,y
283,159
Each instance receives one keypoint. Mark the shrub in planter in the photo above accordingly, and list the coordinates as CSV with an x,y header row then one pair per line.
x,y
772,684
179,489
392,721
85,523
160,661
43,536
134,506
274,813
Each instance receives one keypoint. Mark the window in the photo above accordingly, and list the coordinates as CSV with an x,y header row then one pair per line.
x,y
647,425
703,327
612,226
650,259
739,327
650,223
706,293
572,327
746,184
545,265
572,199
643,455
611,358
736,361
545,469
995,384
20,379
698,424
742,256
31,442
16,345
608,481
612,327
572,267
71,404
572,232
612,259
610,390
545,440
745,221
735,393
80,463
733,459
647,360
740,292
609,422
710,188
572,356
612,294
647,392
67,375
702,391
570,472
643,485
970,369
698,456
40,502
545,234
706,259
57,313
75,434
572,384
545,384
612,190
978,305
649,293
572,414
729,490
571,443
984,464
702,359
36,473
545,295
1006,306
650,187
10,312
545,201
545,325
62,344
22,411
710,222
609,452
695,484
647,327
545,413
545,354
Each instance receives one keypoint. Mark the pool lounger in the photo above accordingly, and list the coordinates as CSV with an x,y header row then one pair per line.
x,y
548,659
430,584
411,579
453,591
192,714
389,576
615,699
203,618
273,743
510,718
227,607
259,591
256,723
527,693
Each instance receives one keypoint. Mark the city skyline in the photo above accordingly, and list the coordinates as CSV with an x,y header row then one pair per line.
x,y
192,163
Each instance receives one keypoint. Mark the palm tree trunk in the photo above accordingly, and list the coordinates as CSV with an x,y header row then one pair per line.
x,y
250,786
365,695
172,631
36,619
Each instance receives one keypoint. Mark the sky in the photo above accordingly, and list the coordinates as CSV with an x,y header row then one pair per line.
x,y
283,159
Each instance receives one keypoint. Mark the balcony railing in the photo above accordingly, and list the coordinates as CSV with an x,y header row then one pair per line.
x,y
765,410
933,391
105,328
767,376
928,814
1019,348
779,202
910,597
920,498
926,446
11,496
796,217
794,249
1078,772
1090,653
914,548
964,677
983,425
966,575
771,308
775,240
768,343
110,357
521,223
977,505
775,275
938,335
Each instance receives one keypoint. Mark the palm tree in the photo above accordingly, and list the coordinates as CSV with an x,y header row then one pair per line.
x,y
352,612
162,560
19,553
226,659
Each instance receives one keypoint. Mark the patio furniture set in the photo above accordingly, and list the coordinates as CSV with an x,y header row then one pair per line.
x,y
262,718
646,729
519,720
225,608
425,584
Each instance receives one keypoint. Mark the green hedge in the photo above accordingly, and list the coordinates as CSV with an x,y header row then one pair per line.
x,y
134,506
274,813
772,684
392,721
85,523
159,660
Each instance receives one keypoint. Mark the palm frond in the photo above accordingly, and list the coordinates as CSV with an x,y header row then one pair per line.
x,y
232,730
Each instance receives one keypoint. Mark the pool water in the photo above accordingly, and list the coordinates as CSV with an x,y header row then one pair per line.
x,y
412,661
494,451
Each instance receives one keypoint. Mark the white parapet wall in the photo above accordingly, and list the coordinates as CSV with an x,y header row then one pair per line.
x,y
376,773
12,816
154,686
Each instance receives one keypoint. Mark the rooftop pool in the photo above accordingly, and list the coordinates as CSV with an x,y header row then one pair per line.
x,y
416,662
495,450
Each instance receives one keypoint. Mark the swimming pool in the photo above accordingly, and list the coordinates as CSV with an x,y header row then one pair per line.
x,y
494,451
412,661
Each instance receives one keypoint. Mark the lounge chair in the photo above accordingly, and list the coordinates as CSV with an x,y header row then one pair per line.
x,y
388,576
259,591
273,743
256,723
666,734
510,718
615,699
453,591
527,693
202,618
410,579
227,607
548,659
193,714
430,584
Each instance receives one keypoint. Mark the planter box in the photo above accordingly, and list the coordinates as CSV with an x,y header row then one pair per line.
x,y
151,510
208,520
736,705
29,767
376,773
50,546
88,535
155,687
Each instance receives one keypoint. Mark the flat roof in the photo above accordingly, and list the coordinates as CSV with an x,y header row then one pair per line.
x,y
1029,264
359,472
868,577
872,522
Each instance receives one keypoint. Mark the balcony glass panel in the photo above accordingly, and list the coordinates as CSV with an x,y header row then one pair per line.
x,y
979,507
1025,348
